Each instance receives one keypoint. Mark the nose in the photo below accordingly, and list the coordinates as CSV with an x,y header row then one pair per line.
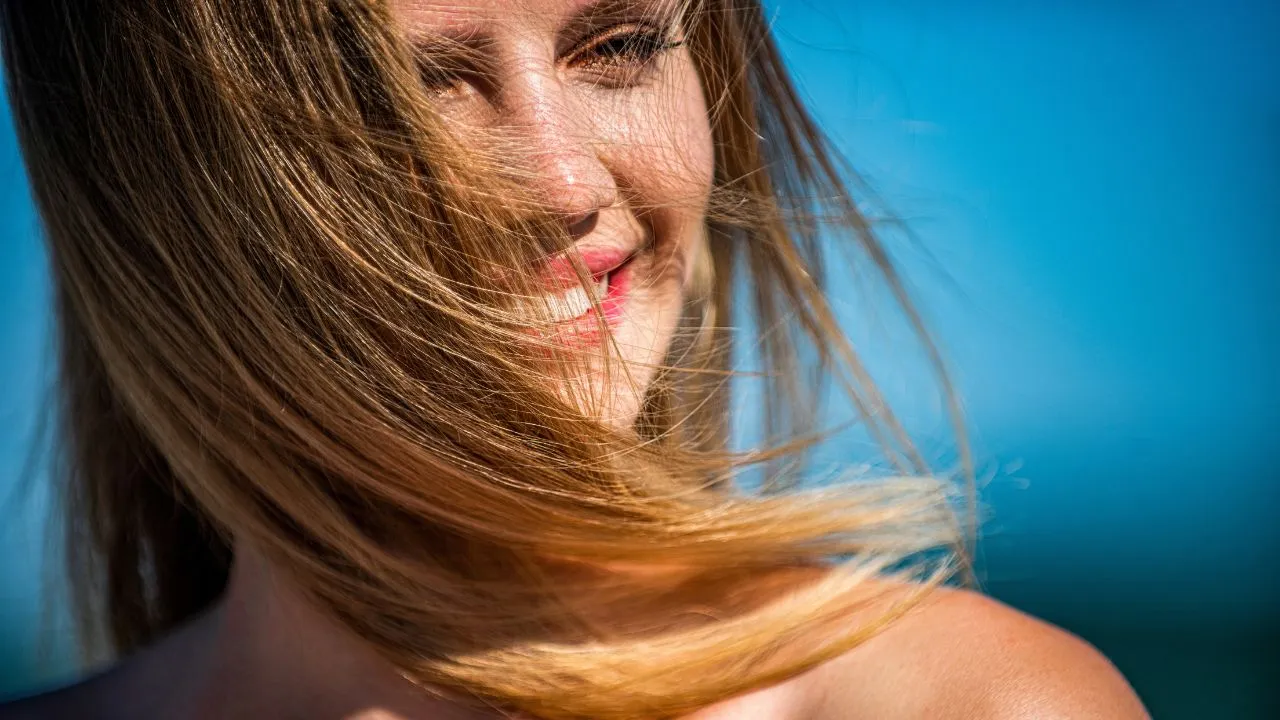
x,y
564,151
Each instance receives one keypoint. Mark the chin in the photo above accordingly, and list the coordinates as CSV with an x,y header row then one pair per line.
x,y
637,349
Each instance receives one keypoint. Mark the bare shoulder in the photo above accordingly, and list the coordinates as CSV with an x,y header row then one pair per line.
x,y
135,688
85,700
143,686
962,655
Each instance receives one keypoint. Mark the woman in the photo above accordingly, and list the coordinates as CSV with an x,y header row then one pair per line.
x,y
395,375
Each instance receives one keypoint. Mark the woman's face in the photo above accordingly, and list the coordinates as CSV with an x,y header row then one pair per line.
x,y
607,108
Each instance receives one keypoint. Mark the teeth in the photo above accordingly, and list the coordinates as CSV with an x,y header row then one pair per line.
x,y
574,302
569,304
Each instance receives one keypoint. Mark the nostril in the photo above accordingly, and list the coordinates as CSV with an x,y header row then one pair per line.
x,y
579,225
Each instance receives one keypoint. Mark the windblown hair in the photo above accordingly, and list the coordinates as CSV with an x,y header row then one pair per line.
x,y
278,322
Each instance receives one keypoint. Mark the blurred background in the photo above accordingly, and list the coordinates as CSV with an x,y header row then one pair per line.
x,y
1095,191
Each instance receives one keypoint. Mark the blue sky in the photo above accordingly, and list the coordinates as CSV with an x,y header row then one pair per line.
x,y
1097,186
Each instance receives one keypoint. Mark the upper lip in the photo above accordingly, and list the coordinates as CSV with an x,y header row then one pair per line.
x,y
597,260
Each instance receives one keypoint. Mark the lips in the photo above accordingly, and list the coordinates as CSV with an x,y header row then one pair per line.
x,y
559,272
571,305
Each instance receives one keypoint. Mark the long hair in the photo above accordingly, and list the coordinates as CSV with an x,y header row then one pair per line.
x,y
277,322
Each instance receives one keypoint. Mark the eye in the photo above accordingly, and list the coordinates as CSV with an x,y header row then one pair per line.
x,y
626,49
445,77
449,67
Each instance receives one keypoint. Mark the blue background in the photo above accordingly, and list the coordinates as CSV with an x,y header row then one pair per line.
x,y
1097,187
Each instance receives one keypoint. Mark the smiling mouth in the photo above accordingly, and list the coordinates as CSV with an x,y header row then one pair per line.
x,y
574,307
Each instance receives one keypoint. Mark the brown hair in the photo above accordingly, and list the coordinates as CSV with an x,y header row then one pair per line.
x,y
274,325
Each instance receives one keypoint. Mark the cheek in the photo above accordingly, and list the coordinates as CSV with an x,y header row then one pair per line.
x,y
666,159
690,160
692,132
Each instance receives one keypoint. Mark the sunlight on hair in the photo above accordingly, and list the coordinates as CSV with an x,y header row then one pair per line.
x,y
309,299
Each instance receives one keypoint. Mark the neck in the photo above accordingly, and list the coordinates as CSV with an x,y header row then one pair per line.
x,y
275,655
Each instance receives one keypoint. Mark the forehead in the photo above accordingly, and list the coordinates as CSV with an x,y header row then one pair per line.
x,y
459,16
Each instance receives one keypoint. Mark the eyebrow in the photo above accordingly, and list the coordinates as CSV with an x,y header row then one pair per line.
x,y
463,40
602,13
474,41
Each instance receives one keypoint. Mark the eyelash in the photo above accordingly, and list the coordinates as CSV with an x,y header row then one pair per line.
x,y
615,49
626,52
